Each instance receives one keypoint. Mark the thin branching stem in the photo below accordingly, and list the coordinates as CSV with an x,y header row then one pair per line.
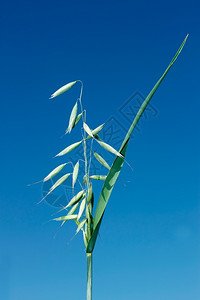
x,y
84,136
90,157
87,169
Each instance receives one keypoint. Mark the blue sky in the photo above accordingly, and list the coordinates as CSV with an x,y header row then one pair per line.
x,y
149,245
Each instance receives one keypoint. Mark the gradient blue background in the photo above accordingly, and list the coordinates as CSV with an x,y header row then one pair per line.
x,y
149,246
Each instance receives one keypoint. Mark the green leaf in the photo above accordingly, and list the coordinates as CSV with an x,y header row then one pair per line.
x,y
65,218
75,174
109,148
80,226
87,129
54,172
69,148
81,209
72,118
75,199
118,162
98,177
63,89
101,160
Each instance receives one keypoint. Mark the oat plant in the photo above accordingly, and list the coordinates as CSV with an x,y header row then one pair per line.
x,y
80,208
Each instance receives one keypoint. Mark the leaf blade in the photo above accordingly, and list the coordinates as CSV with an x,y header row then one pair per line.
x,y
118,162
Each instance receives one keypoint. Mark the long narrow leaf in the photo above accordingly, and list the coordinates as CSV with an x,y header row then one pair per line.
x,y
118,162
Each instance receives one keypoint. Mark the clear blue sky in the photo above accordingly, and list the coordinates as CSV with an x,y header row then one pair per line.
x,y
149,246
